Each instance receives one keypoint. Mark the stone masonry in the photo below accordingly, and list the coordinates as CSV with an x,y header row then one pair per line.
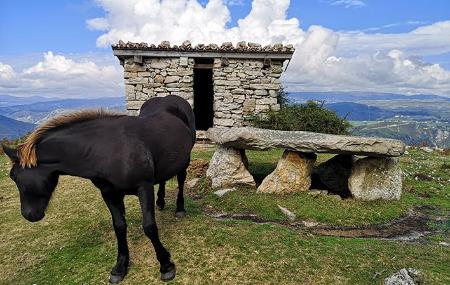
x,y
246,79
244,88
157,77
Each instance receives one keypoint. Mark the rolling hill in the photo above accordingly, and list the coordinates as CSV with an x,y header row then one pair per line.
x,y
11,129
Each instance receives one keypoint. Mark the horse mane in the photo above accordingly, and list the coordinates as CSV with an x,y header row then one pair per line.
x,y
27,150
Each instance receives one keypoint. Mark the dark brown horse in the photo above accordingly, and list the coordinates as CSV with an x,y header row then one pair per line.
x,y
120,154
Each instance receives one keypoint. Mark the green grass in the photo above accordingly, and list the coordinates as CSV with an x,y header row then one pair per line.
x,y
332,210
75,243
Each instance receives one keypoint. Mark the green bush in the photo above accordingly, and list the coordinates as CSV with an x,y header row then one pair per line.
x,y
311,117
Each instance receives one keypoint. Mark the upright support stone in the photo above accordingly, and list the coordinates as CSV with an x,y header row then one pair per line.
x,y
375,178
228,167
292,174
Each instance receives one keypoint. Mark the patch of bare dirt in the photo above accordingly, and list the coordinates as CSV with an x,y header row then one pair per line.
x,y
414,226
197,168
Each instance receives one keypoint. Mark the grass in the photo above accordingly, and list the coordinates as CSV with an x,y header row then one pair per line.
x,y
332,210
75,243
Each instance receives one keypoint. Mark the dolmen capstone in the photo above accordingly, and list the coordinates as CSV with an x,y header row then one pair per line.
x,y
367,167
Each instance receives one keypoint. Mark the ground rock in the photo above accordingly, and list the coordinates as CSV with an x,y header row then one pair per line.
x,y
292,174
228,168
262,139
291,216
375,178
191,183
222,192
403,277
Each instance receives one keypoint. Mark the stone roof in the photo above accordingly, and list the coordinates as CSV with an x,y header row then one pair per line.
x,y
186,46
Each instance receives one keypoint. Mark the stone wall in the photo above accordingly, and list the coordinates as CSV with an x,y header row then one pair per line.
x,y
242,87
157,77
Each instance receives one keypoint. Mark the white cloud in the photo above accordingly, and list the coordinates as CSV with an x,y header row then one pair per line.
x,y
324,60
59,76
235,2
348,3
98,24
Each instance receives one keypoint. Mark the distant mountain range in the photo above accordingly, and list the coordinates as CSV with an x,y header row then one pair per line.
x,y
334,97
8,100
360,106
20,115
418,119
415,119
11,129
37,112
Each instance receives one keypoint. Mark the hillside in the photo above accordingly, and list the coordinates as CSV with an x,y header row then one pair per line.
x,y
40,111
331,241
11,129
8,100
433,134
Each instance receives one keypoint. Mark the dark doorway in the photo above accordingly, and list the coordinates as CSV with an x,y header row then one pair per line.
x,y
203,93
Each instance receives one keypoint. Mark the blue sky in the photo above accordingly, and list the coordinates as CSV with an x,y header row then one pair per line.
x,y
39,39
38,26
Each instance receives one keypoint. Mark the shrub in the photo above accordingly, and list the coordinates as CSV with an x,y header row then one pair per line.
x,y
312,117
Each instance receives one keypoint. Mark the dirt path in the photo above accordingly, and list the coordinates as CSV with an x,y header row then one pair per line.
x,y
412,227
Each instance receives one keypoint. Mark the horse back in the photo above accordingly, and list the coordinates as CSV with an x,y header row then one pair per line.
x,y
173,105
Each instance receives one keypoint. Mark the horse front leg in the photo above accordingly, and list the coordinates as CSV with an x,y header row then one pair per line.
x,y
160,202
146,196
117,208
181,178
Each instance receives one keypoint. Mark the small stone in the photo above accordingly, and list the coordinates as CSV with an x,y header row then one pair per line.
x,y
159,64
292,174
316,192
401,277
191,183
186,44
164,44
227,45
291,216
309,224
172,79
183,61
159,79
241,45
222,192
427,149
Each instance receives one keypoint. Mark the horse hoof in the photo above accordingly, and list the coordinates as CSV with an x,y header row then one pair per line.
x,y
180,214
114,279
169,275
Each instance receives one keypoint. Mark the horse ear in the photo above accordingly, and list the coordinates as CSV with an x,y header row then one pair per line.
x,y
11,153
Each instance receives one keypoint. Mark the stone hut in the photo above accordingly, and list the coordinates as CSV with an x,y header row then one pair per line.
x,y
224,84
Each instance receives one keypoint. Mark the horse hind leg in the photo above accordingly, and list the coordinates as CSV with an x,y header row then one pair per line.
x,y
160,202
181,178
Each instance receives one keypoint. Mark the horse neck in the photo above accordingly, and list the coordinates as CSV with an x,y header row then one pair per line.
x,y
64,156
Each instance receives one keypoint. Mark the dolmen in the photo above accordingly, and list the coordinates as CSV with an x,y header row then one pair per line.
x,y
366,167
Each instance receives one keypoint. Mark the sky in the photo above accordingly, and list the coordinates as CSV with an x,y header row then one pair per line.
x,y
62,48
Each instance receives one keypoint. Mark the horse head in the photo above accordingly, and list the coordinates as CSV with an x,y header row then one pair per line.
x,y
36,185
